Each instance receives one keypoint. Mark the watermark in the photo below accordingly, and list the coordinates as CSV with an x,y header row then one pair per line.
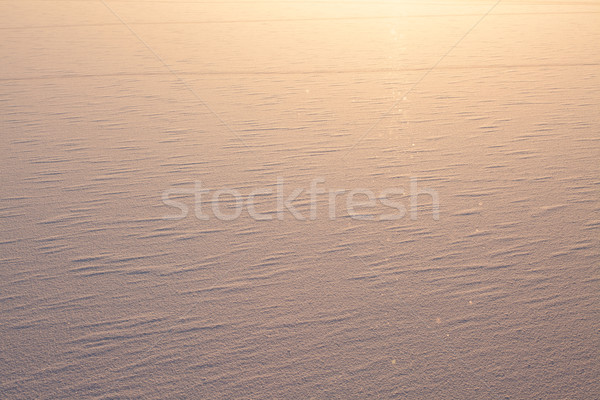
x,y
276,201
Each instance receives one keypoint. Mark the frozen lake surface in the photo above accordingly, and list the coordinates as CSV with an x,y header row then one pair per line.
x,y
105,107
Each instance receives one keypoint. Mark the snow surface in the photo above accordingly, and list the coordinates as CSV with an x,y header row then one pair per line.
x,y
101,297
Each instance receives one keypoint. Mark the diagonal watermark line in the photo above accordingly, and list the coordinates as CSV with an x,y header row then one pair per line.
x,y
414,85
162,336
168,67
387,113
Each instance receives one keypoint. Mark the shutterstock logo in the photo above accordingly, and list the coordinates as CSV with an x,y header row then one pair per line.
x,y
277,201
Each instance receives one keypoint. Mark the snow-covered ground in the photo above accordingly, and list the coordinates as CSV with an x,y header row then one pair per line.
x,y
105,107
